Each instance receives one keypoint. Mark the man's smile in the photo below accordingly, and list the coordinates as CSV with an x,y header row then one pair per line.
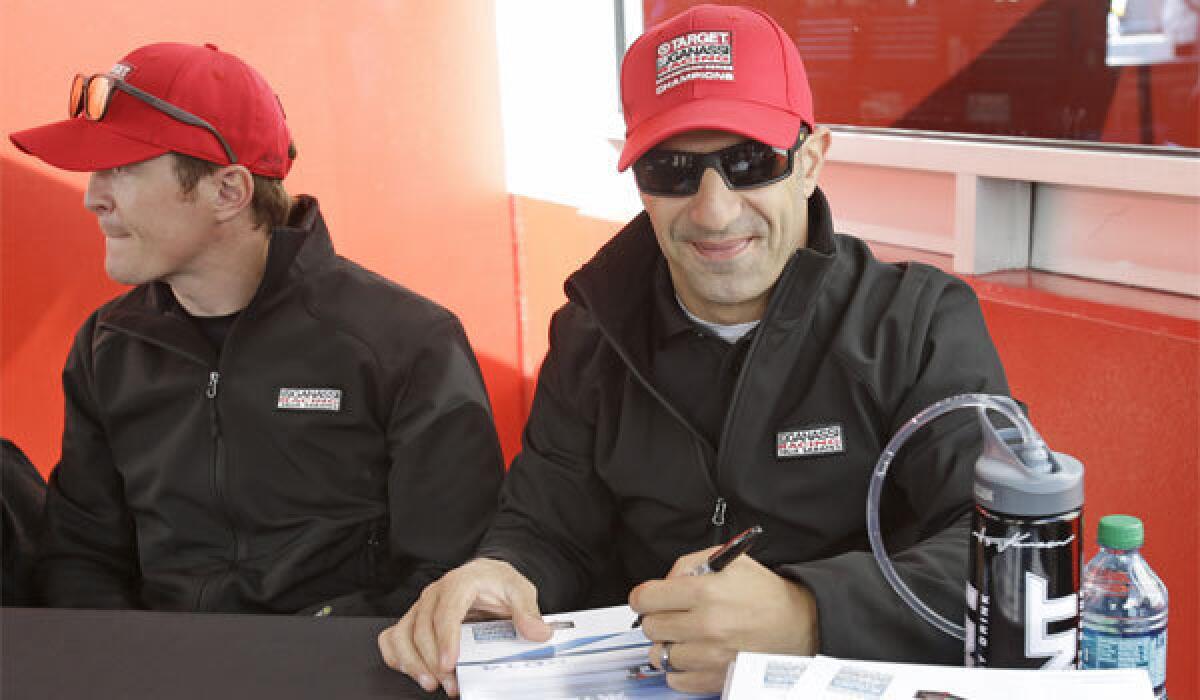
x,y
721,250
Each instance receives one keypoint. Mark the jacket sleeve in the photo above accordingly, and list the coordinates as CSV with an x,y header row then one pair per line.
x,y
22,504
556,514
88,554
446,469
925,514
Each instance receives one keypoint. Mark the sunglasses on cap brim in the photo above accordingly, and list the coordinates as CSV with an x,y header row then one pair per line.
x,y
92,94
742,166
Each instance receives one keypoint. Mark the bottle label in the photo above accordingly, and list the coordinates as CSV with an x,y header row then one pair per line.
x,y
1022,602
1146,650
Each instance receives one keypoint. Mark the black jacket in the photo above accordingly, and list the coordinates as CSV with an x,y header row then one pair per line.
x,y
22,495
190,481
613,484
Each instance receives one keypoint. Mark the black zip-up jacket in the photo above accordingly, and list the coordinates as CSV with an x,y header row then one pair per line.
x,y
22,495
613,484
196,481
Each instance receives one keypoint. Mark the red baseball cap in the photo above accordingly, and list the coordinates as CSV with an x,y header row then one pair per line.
x,y
211,84
713,67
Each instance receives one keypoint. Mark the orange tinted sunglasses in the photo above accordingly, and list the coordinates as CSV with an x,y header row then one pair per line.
x,y
91,95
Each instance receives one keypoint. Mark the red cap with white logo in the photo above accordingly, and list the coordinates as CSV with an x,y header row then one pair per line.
x,y
713,67
211,84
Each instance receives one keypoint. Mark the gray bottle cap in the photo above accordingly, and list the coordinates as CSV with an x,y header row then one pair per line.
x,y
1015,480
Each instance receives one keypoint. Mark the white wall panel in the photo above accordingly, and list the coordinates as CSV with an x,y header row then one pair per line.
x,y
913,208
1134,238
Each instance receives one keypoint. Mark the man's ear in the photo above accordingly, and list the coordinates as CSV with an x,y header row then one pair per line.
x,y
233,191
813,153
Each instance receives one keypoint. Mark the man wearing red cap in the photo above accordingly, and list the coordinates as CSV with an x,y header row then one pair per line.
x,y
259,425
727,361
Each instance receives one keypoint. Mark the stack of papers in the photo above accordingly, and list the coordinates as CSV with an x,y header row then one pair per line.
x,y
770,677
598,654
593,654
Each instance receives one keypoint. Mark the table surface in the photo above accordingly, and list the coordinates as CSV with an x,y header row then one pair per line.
x,y
47,653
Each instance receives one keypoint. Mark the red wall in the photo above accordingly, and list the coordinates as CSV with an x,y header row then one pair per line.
x,y
1120,390
393,107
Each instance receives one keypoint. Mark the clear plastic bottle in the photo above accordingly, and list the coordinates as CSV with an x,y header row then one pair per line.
x,y
1124,605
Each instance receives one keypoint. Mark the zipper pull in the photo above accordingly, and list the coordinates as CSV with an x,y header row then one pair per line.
x,y
213,378
718,518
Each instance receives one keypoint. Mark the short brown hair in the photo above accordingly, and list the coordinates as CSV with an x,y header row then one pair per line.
x,y
270,203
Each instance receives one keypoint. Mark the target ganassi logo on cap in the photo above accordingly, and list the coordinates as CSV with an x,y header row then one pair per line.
x,y
693,56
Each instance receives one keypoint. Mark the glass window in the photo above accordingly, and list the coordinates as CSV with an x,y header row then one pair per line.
x,y
1124,72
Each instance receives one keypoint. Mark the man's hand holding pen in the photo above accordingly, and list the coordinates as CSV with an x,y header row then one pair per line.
x,y
699,623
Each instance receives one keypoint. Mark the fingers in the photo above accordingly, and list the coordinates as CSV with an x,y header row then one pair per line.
x,y
688,563
425,643
666,595
693,657
699,682
444,625
675,627
745,606
526,616
692,668
399,653
392,649
423,638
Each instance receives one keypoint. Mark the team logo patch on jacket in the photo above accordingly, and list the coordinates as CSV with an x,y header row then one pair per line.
x,y
810,442
309,400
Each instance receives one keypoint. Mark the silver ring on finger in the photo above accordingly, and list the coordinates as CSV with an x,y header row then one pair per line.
x,y
664,658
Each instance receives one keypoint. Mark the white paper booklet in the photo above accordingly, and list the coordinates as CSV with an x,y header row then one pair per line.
x,y
765,676
795,677
593,655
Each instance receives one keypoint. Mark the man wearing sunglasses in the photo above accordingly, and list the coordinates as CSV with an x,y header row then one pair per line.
x,y
259,425
726,361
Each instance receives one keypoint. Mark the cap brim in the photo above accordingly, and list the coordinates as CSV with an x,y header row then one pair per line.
x,y
765,123
83,145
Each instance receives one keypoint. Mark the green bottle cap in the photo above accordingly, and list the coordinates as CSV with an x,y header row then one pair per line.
x,y
1120,532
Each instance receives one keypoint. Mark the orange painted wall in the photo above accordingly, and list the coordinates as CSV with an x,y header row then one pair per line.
x,y
394,107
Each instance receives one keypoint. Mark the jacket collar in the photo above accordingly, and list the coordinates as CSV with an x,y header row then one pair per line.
x,y
616,285
150,310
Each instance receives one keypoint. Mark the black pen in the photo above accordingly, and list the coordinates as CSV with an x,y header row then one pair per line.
x,y
721,558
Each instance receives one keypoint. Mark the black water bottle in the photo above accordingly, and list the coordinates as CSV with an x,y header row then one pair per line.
x,y
1025,556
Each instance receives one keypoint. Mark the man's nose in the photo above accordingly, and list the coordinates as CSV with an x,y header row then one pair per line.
x,y
714,206
98,196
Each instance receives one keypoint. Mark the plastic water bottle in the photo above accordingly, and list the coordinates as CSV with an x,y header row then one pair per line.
x,y
1124,605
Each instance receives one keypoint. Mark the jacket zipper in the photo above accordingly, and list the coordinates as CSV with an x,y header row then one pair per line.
x,y
218,479
718,523
218,459
712,474
719,513
210,394
374,541
214,430
719,520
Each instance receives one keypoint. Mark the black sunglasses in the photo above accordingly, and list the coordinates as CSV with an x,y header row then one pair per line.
x,y
742,166
91,95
